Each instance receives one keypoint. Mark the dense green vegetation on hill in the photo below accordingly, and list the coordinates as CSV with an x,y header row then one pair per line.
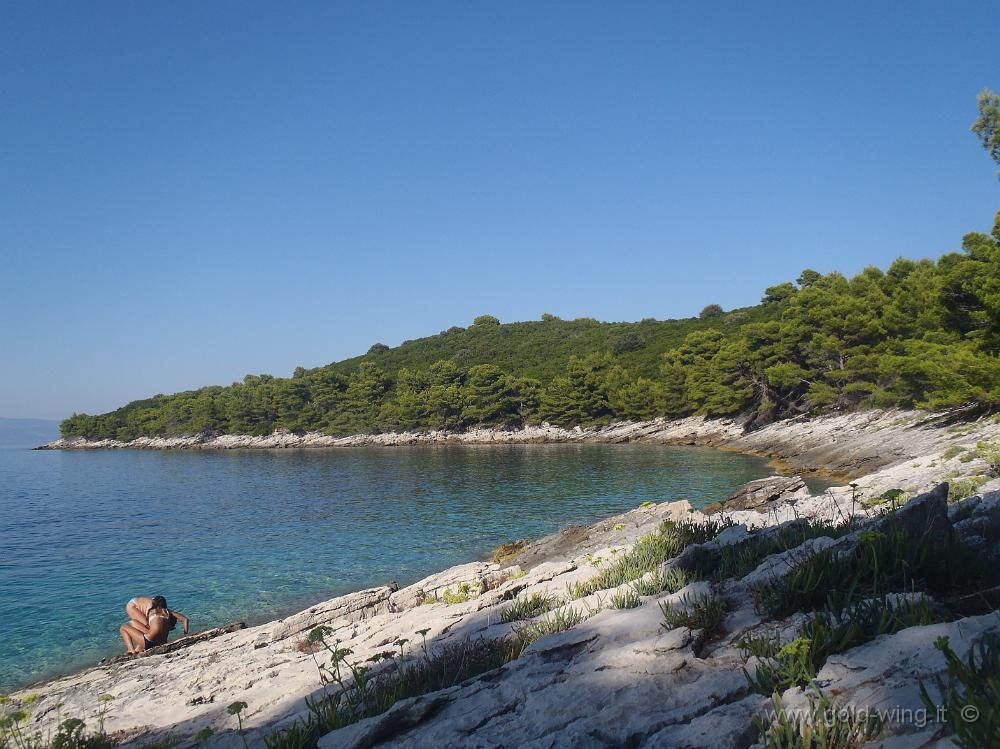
x,y
541,349
923,333
453,379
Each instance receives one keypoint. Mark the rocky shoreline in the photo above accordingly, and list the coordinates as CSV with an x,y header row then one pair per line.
x,y
848,445
649,431
618,676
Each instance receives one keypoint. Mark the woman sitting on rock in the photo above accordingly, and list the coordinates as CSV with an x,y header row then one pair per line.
x,y
150,623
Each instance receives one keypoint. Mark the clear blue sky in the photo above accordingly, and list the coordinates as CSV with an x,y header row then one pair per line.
x,y
193,191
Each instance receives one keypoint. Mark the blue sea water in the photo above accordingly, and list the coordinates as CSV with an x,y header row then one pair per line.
x,y
248,535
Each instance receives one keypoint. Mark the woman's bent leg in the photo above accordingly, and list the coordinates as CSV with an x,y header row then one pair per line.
x,y
126,632
134,639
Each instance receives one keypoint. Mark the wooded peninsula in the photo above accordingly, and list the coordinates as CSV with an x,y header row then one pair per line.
x,y
922,333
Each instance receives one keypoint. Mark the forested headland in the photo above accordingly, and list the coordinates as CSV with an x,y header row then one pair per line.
x,y
921,333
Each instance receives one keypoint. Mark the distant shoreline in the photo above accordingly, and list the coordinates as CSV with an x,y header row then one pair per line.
x,y
654,431
842,446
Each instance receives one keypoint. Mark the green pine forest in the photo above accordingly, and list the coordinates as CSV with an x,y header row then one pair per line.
x,y
922,333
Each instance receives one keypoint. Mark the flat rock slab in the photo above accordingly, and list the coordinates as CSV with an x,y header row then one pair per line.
x,y
179,644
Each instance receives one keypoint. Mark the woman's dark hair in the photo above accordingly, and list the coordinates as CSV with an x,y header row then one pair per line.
x,y
159,602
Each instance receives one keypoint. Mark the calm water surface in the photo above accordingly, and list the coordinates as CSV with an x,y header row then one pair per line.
x,y
253,534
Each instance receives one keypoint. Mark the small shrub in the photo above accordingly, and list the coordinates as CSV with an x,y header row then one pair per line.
x,y
625,599
304,646
989,453
739,560
793,664
689,532
704,612
971,693
465,592
882,562
809,583
830,631
892,497
965,487
71,735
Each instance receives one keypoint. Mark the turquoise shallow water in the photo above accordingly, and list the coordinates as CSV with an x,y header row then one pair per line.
x,y
254,534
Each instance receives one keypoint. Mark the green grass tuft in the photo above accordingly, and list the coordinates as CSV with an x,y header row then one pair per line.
x,y
660,581
881,562
827,727
965,487
625,599
970,694
528,607
739,560
558,620
830,631
649,552
989,453
463,594
953,451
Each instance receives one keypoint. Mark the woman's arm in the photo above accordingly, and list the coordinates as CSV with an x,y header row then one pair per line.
x,y
181,618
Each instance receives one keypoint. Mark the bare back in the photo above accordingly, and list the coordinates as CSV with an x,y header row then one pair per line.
x,y
159,626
